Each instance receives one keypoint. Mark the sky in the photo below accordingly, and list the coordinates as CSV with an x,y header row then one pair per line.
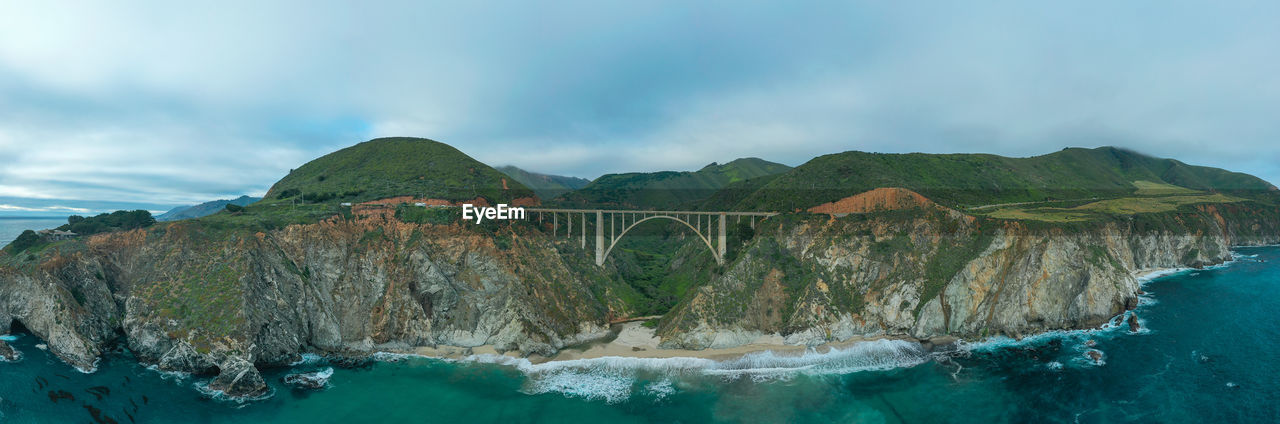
x,y
111,104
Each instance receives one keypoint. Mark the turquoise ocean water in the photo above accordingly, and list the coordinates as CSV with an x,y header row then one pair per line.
x,y
1207,353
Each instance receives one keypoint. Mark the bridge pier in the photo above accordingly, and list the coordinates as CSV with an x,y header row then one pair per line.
x,y
600,237
723,240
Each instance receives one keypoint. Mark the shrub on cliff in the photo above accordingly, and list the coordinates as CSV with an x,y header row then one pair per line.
x,y
115,221
24,241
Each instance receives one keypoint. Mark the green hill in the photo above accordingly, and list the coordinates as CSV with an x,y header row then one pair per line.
x,y
545,185
668,189
389,167
975,180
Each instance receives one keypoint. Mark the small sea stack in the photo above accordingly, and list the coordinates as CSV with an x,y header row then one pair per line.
x,y
1095,356
7,353
1133,323
311,380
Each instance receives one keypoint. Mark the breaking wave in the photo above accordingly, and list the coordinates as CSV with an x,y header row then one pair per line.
x,y
614,379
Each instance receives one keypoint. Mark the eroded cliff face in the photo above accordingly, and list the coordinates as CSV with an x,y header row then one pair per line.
x,y
929,273
196,299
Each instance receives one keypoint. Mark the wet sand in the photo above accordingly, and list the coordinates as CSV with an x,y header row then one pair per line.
x,y
636,341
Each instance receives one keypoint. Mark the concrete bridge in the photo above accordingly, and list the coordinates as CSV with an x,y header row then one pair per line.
x,y
707,225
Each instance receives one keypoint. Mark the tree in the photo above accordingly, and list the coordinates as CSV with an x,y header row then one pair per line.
x,y
234,208
24,241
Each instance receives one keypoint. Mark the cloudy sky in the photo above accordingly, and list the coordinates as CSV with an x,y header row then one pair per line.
x,y
111,104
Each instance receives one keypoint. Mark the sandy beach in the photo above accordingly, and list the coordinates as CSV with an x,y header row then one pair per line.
x,y
636,341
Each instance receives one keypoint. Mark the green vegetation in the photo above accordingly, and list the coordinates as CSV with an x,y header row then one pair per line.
x,y
421,215
204,209
24,241
115,221
667,189
546,186
263,216
949,259
205,297
973,180
1111,207
1151,188
661,260
390,167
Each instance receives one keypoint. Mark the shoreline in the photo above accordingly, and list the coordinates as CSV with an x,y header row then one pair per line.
x,y
633,340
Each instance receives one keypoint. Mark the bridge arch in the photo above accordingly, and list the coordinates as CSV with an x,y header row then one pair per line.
x,y
705,239
713,235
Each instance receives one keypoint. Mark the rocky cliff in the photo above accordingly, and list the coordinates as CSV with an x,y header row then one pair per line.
x,y
203,296
192,297
931,272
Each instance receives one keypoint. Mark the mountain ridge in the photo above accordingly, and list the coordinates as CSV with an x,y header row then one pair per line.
x,y
547,186
668,189
204,209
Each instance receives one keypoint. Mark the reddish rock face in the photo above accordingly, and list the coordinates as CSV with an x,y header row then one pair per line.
x,y
880,199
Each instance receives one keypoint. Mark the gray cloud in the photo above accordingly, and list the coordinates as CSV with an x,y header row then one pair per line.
x,y
156,103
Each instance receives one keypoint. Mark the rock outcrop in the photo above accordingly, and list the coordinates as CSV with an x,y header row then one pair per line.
x,y
933,272
201,297
7,353
192,298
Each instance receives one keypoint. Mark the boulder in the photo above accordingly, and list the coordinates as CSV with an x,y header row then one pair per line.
x,y
1094,355
311,380
1133,323
7,353
239,378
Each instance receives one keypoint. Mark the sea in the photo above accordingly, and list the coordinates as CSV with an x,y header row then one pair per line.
x,y
1206,353
12,226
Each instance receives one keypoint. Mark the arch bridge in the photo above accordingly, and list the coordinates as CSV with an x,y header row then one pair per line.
x,y
708,226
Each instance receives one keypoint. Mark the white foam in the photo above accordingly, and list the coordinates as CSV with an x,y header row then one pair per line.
x,y
306,358
661,389
177,376
612,378
396,357
203,388
92,367
1161,273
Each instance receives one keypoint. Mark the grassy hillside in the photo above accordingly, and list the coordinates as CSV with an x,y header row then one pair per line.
x,y
668,189
545,185
978,180
389,167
